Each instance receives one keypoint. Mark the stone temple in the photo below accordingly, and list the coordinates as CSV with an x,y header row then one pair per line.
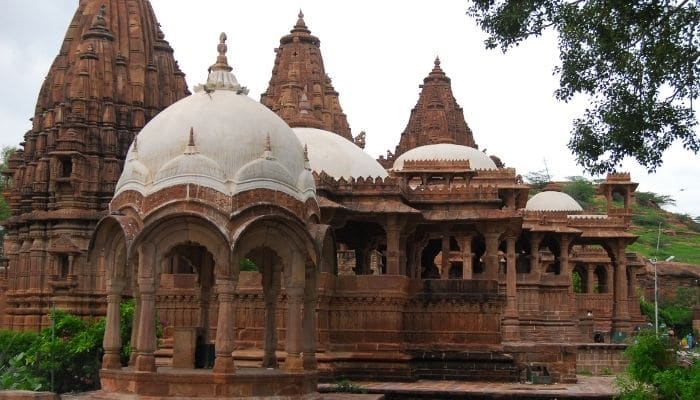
x,y
431,262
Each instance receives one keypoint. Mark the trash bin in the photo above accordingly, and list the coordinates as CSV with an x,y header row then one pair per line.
x,y
538,374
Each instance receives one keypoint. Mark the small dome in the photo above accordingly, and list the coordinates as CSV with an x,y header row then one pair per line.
x,y
337,156
552,201
235,143
446,152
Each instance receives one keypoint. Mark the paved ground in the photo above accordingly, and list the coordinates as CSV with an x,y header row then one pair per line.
x,y
586,388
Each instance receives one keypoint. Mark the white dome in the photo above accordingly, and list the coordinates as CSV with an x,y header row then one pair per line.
x,y
337,156
552,201
446,152
236,144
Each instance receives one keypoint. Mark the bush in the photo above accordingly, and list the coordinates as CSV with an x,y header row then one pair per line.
x,y
654,373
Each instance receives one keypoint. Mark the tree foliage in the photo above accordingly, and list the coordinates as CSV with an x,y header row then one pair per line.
x,y
538,180
71,350
654,372
581,189
636,60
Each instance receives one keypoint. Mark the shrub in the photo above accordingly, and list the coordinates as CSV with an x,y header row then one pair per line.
x,y
581,189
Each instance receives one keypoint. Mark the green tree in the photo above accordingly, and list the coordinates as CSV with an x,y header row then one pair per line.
x,y
636,60
581,189
538,180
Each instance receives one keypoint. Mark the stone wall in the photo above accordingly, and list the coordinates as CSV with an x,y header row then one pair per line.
x,y
599,359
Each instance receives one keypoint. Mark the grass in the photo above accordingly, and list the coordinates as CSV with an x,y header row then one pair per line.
x,y
679,235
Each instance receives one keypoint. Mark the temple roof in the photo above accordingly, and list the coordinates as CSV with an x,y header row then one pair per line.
x,y
113,73
221,139
300,91
436,118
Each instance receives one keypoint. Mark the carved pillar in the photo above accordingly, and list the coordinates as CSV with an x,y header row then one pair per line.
x,y
146,341
467,257
392,246
225,328
112,339
590,271
535,266
445,267
491,256
620,307
309,322
564,243
510,323
135,326
271,287
293,362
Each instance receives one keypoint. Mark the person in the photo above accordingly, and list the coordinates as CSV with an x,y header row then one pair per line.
x,y
691,340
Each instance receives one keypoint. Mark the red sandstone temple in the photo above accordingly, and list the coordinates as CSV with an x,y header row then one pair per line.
x,y
429,263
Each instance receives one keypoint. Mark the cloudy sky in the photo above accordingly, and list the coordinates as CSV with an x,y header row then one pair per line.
x,y
377,53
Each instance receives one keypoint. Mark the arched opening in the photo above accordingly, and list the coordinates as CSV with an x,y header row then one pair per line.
x,y
478,251
579,279
523,262
601,277
549,255
364,245
429,270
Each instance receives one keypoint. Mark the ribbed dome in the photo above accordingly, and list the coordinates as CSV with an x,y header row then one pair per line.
x,y
552,201
219,138
337,156
446,152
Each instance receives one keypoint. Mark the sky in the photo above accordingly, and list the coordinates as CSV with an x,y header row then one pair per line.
x,y
377,53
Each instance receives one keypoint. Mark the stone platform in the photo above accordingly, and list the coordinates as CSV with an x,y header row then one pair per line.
x,y
180,383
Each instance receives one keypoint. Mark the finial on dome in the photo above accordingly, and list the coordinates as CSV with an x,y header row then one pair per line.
x,y
436,68
307,164
300,26
221,60
220,76
268,148
191,149
437,61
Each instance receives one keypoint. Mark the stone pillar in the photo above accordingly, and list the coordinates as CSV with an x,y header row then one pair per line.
x,y
293,345
392,246
146,341
535,266
271,287
135,326
620,307
511,278
467,257
309,322
590,272
565,270
112,342
445,267
491,256
225,328
510,320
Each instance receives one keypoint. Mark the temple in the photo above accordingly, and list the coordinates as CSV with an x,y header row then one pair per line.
x,y
261,233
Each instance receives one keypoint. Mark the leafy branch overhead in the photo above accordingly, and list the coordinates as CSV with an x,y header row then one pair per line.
x,y
637,61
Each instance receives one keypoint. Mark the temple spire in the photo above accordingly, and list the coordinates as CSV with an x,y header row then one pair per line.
x,y
300,91
436,118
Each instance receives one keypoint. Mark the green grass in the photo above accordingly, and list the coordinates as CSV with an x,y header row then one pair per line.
x,y
679,236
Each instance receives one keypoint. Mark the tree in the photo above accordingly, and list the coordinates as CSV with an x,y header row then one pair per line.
x,y
538,180
581,189
637,61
